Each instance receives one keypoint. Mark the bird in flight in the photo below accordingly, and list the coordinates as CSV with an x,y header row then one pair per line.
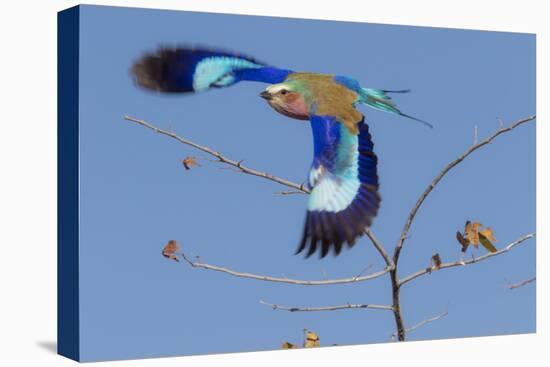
x,y
343,176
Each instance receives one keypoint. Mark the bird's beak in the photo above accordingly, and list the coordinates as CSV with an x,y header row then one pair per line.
x,y
265,95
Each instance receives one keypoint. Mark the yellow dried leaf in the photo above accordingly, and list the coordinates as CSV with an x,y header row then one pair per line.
x,y
486,243
189,162
488,233
288,345
471,232
312,340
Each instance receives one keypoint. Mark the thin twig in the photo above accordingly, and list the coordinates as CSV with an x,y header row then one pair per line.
x,y
364,270
427,321
220,157
326,308
467,262
522,283
290,192
354,279
422,323
380,248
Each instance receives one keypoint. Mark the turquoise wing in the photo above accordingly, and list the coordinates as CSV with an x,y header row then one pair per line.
x,y
344,181
188,70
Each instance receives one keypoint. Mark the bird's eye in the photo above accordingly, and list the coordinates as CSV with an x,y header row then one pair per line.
x,y
284,91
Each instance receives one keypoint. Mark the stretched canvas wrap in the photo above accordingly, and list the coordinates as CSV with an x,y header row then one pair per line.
x,y
233,183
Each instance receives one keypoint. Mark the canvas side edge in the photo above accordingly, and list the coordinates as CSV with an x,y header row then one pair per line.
x,y
68,317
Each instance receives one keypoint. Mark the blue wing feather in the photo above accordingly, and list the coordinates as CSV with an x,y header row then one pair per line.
x,y
181,70
344,181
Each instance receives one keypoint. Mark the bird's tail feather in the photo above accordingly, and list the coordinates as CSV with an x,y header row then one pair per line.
x,y
379,99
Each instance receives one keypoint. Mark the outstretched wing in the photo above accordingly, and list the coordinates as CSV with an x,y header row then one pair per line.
x,y
180,70
344,197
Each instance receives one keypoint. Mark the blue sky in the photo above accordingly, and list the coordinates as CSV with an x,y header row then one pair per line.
x,y
135,194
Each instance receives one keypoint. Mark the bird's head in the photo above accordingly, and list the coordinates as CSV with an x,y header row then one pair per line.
x,y
287,98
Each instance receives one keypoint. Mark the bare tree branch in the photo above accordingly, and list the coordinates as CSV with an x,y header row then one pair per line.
x,y
467,262
391,261
446,169
327,308
239,167
522,283
380,248
354,279
410,218
220,157
422,323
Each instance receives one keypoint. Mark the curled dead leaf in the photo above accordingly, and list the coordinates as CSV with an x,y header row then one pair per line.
x,y
488,233
311,340
486,243
288,345
169,251
189,162
436,261
463,241
471,232
474,235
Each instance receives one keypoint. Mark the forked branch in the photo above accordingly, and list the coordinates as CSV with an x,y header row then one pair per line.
x,y
422,323
391,261
239,167
444,171
473,260
220,157
396,283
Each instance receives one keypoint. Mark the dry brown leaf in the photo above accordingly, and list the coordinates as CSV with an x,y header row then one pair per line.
x,y
312,339
474,235
169,251
189,162
463,241
288,345
471,232
486,243
436,261
488,233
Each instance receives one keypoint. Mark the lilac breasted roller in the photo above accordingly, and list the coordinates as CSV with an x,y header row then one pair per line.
x,y
343,176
